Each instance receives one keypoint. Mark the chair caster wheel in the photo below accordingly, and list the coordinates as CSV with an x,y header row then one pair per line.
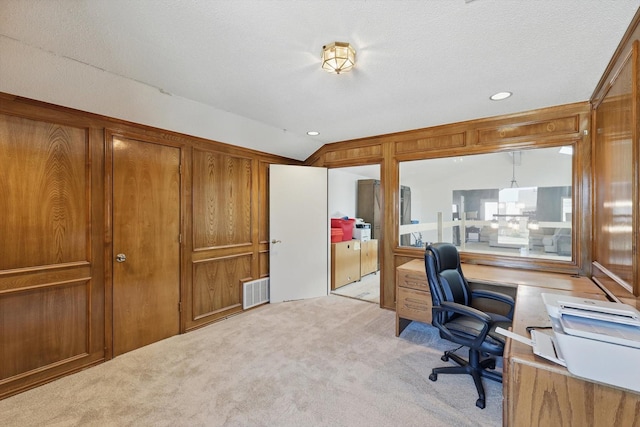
x,y
480,403
492,365
445,358
433,377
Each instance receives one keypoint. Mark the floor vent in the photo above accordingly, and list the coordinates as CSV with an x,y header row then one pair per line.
x,y
255,293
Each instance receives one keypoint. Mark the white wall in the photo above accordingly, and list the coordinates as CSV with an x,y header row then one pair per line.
x,y
343,193
34,73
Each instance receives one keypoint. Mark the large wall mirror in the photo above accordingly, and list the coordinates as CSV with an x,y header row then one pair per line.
x,y
355,192
516,203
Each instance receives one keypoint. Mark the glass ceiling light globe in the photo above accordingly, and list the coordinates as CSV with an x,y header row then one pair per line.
x,y
338,57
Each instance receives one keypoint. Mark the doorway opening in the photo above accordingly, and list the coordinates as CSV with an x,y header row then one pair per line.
x,y
354,194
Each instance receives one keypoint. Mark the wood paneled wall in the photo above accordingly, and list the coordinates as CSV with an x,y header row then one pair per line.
x,y
616,126
556,126
51,290
224,188
56,256
221,200
56,259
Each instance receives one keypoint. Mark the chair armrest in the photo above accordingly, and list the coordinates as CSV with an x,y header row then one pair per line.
x,y
467,311
463,310
496,296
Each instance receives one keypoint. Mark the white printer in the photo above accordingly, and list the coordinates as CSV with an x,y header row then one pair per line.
x,y
362,231
598,340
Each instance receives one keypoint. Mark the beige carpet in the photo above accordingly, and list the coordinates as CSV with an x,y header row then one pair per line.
x,y
327,361
365,289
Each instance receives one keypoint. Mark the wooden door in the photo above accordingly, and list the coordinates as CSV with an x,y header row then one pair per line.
x,y
146,247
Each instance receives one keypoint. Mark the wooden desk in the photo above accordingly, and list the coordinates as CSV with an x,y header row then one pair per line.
x,y
413,299
513,277
536,392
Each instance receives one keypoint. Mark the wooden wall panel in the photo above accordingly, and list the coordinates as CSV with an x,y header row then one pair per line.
x,y
55,253
44,190
437,142
264,263
51,216
217,285
538,129
615,187
263,203
362,152
221,200
57,330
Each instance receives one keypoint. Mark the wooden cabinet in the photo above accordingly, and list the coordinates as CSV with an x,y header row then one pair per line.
x,y
405,213
368,257
345,263
413,299
351,260
369,206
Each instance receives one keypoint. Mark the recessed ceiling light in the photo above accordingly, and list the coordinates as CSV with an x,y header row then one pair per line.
x,y
313,133
500,96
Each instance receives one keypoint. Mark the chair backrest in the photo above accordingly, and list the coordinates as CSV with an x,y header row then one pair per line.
x,y
444,274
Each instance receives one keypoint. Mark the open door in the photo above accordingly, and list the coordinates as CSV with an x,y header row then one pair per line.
x,y
299,232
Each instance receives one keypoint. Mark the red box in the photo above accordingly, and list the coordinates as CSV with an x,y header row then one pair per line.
x,y
336,235
346,225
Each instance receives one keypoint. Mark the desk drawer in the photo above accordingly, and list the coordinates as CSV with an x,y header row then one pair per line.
x,y
414,305
412,280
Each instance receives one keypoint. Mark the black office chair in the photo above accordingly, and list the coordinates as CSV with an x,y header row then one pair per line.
x,y
462,324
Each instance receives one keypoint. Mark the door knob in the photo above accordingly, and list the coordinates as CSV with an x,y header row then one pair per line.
x,y
274,241
121,257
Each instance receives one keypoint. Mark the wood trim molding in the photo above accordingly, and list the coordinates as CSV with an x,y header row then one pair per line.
x,y
619,57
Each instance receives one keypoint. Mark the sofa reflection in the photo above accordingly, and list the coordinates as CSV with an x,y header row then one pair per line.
x,y
545,239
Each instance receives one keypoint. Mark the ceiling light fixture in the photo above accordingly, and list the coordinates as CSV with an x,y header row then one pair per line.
x,y
313,133
500,96
338,57
514,183
533,225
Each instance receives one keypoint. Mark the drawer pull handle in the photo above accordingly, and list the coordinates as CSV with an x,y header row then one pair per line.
x,y
418,284
414,304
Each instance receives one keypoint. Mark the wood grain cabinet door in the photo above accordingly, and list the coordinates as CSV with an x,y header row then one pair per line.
x,y
146,247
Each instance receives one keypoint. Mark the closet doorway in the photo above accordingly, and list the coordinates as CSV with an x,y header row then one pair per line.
x,y
355,192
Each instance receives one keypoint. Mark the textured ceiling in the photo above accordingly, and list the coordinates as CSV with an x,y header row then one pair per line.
x,y
419,63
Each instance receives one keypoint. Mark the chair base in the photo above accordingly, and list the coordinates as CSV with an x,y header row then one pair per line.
x,y
475,367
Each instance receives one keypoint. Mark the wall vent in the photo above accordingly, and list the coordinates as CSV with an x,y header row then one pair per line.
x,y
255,293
